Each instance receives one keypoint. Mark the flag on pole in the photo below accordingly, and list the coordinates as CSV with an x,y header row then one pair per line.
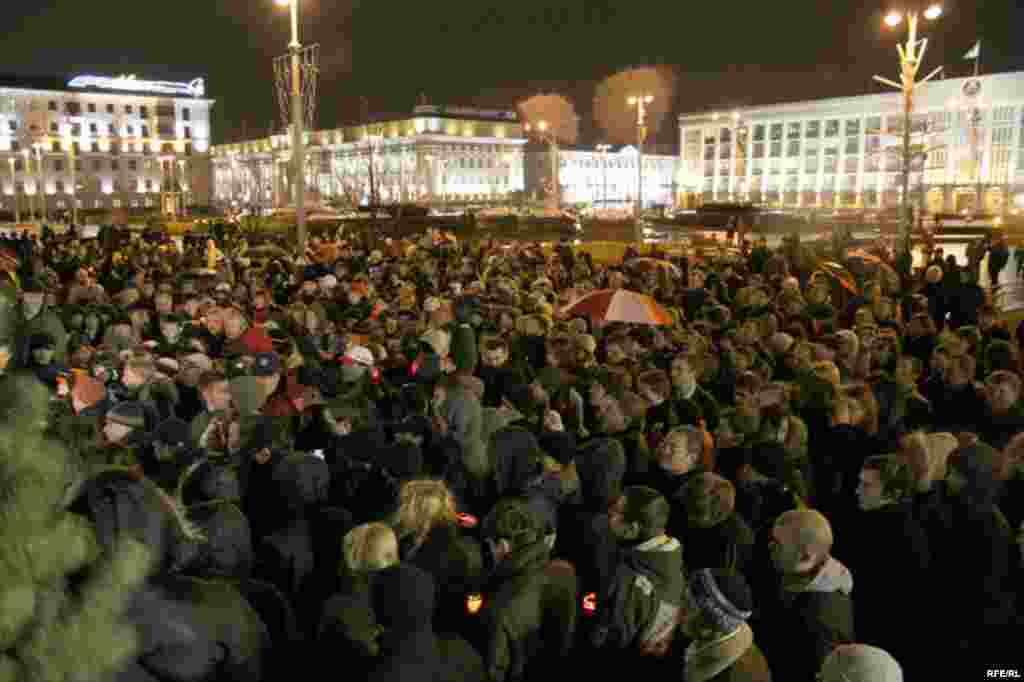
x,y
974,52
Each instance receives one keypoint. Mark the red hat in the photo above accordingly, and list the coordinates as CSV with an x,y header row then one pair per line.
x,y
257,340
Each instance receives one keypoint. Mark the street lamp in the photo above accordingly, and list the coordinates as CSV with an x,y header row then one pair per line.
x,y
602,150
542,132
911,55
14,193
640,102
298,134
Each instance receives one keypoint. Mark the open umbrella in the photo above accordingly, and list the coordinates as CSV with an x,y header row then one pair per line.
x,y
619,305
648,264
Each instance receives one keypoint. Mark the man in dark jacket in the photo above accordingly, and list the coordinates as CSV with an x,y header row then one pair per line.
x,y
638,609
887,550
529,613
811,611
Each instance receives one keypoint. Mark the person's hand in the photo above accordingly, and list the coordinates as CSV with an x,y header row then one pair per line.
x,y
440,425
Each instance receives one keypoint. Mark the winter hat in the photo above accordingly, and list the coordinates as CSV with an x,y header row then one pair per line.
x,y
978,464
266,364
130,413
511,519
724,597
860,663
517,457
403,599
600,467
303,479
206,481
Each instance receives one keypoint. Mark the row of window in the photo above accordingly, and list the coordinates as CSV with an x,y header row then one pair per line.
x,y
57,165
113,149
75,109
615,163
62,188
111,129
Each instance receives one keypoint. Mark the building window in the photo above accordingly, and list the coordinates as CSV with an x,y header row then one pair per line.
x,y
188,150
149,185
850,164
58,165
1002,135
133,165
76,129
145,131
130,129
725,135
709,153
18,165
811,166
93,129
776,150
129,109
54,128
813,130
13,125
758,133
831,128
92,107
794,131
110,108
794,148
758,151
97,164
110,129
15,146
874,126
115,165
776,131
52,106
853,145
852,127
95,147
186,114
144,111
78,164
60,186
55,146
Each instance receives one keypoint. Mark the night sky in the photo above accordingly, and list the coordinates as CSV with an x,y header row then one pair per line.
x,y
490,53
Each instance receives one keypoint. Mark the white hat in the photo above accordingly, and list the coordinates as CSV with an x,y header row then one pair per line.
x,y
328,281
360,355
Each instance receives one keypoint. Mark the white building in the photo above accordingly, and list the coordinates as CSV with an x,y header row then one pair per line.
x,y
437,154
104,143
847,152
588,176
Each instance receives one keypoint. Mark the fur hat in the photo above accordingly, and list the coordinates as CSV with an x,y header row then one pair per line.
x,y
724,597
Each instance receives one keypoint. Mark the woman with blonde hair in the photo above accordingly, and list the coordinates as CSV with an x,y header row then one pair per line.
x,y
429,532
347,622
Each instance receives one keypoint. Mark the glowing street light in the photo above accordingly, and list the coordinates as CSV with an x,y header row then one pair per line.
x,y
640,102
911,55
298,134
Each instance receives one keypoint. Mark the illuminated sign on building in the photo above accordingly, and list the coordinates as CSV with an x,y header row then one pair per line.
x,y
195,88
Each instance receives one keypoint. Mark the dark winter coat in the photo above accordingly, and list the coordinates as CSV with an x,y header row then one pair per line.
x,y
456,564
798,629
887,550
727,545
529,615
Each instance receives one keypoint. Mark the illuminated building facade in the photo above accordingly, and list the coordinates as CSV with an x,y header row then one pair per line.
x,y
104,143
602,178
846,152
437,154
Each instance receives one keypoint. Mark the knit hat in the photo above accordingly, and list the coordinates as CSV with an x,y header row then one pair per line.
x,y
710,499
724,597
860,663
266,364
130,413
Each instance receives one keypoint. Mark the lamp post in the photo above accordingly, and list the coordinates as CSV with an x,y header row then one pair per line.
x,y
14,193
640,102
602,150
298,134
28,197
549,136
911,54
40,189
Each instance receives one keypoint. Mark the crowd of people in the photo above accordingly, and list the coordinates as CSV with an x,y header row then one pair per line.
x,y
409,460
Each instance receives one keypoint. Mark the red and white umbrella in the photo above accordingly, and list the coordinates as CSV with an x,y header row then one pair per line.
x,y
619,305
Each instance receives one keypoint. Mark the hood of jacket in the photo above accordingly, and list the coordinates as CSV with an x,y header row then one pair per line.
x,y
517,459
601,467
833,577
227,551
661,561
303,480
706,659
